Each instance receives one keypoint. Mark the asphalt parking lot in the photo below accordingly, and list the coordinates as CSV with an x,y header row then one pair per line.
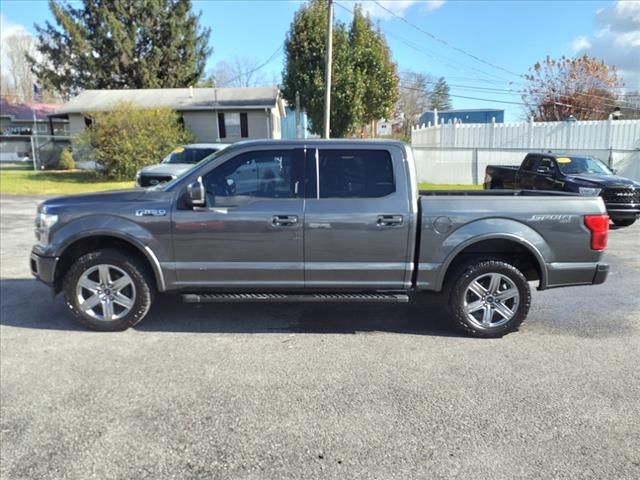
x,y
318,391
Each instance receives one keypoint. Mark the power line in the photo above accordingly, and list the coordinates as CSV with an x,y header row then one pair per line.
x,y
500,91
475,57
444,60
493,100
255,69
444,42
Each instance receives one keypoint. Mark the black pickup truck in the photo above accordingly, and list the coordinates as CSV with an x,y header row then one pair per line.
x,y
570,173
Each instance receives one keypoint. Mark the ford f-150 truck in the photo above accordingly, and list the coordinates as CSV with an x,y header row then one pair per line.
x,y
334,221
571,173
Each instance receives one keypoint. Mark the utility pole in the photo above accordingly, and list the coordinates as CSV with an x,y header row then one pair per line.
x,y
327,72
298,115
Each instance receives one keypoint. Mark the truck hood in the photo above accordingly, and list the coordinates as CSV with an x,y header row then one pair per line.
x,y
112,200
169,169
604,180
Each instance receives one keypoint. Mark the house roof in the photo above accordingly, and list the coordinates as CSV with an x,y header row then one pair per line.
x,y
180,99
24,111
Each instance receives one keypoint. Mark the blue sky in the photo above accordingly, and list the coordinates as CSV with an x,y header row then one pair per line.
x,y
508,34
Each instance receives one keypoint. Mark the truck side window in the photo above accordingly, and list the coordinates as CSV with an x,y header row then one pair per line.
x,y
250,176
546,164
355,174
528,163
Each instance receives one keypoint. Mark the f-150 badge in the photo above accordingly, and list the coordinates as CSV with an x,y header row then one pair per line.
x,y
151,212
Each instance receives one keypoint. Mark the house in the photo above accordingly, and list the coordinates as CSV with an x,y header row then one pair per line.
x,y
462,116
17,118
19,141
210,114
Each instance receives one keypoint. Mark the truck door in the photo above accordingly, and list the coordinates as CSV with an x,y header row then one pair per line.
x,y
357,219
525,178
249,234
546,173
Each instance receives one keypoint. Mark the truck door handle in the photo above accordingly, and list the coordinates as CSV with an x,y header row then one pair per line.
x,y
389,220
284,220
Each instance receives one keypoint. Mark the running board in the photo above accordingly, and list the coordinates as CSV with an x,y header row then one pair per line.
x,y
306,297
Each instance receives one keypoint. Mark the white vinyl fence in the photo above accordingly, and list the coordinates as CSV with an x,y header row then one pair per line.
x,y
466,166
589,135
458,153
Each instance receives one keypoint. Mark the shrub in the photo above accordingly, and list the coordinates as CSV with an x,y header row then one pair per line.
x,y
127,139
65,161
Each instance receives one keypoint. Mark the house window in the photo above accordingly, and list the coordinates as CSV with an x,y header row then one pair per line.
x,y
233,125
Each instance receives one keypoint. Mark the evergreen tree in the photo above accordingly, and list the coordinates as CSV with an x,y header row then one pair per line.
x,y
305,48
108,44
376,80
439,97
364,83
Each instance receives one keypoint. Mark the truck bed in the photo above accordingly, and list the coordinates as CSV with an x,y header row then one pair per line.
x,y
496,193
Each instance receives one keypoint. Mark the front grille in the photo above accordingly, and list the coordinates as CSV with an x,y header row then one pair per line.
x,y
153,180
621,195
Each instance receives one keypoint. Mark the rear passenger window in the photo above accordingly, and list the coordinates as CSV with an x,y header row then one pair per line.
x,y
528,163
355,174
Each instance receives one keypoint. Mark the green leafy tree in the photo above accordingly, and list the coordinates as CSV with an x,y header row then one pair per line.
x,y
439,97
107,44
65,161
126,139
305,48
364,83
376,78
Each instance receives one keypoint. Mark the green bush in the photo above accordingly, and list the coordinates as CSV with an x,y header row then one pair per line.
x,y
127,139
65,161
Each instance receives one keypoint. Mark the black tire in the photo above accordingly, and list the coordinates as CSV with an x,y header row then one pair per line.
x,y
623,222
142,286
507,276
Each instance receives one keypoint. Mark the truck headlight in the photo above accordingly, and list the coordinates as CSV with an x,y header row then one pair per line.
x,y
44,222
589,191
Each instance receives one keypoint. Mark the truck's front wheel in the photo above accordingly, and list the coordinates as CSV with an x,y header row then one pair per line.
x,y
108,290
489,298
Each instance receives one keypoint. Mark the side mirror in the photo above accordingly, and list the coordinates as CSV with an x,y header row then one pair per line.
x,y
614,171
544,170
195,193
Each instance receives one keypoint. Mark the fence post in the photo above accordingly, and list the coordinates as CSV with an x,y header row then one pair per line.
x,y
492,135
609,137
530,133
33,153
474,165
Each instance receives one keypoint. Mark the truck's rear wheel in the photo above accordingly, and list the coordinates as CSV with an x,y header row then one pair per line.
x,y
489,298
108,290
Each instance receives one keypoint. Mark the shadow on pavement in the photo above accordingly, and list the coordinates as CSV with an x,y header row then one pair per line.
x,y
26,303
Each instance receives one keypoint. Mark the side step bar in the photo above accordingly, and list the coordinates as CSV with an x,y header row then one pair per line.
x,y
305,297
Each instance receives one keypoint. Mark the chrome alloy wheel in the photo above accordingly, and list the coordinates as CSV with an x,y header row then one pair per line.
x,y
491,300
105,292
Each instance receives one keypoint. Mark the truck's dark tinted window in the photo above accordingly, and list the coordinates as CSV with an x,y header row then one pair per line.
x,y
355,173
249,176
529,163
547,164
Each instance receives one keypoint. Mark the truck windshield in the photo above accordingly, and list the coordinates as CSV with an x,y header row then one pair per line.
x,y
167,186
578,165
188,155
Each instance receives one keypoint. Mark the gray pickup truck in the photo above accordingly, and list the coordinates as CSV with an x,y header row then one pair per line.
x,y
321,221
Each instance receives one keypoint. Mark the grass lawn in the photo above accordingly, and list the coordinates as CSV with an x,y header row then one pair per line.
x,y
23,181
433,186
